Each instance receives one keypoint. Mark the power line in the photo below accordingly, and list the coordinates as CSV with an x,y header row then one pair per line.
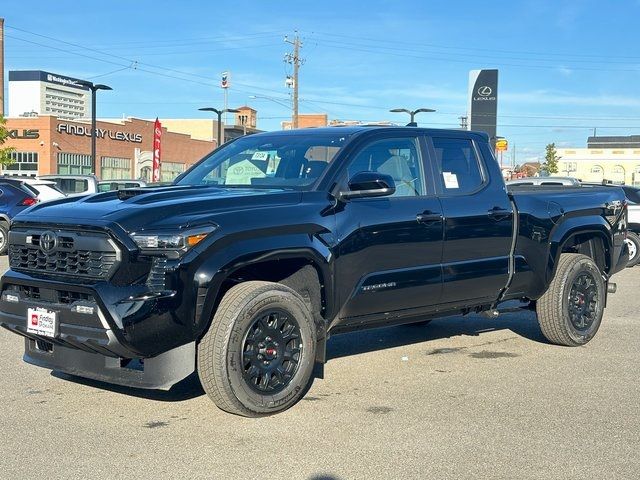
x,y
180,52
194,40
473,56
110,73
448,59
169,43
131,63
478,49
119,57
108,61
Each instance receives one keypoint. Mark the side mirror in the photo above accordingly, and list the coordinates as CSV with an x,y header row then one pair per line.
x,y
369,184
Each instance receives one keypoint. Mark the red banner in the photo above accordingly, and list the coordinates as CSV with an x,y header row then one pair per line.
x,y
157,143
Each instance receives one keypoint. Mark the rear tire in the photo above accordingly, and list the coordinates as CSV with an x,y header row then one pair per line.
x,y
257,356
633,242
4,238
570,311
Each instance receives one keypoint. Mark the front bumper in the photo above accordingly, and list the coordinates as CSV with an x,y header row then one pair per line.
x,y
160,372
125,335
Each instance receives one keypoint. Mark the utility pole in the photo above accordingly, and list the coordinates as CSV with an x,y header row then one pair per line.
x,y
295,60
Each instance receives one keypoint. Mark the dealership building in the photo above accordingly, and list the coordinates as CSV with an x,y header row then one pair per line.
x,y
612,159
47,144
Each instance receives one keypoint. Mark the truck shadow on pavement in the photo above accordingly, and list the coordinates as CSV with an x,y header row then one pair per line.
x,y
355,343
184,390
522,323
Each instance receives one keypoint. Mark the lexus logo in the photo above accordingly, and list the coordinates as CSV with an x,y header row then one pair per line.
x,y
48,242
485,91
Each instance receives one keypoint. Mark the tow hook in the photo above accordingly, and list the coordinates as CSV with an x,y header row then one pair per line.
x,y
612,287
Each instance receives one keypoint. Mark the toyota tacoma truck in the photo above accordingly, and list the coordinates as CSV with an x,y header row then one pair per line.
x,y
242,268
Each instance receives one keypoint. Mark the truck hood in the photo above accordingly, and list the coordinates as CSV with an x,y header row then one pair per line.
x,y
155,208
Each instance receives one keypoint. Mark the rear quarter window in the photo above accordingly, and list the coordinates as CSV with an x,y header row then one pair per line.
x,y
29,189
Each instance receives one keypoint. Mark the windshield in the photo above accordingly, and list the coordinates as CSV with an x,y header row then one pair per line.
x,y
277,161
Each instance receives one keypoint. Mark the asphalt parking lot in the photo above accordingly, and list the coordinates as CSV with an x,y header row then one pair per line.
x,y
460,398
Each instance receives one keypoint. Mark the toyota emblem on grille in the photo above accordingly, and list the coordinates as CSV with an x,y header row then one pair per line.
x,y
48,242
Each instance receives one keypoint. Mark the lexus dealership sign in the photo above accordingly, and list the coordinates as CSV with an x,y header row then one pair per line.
x,y
82,130
483,101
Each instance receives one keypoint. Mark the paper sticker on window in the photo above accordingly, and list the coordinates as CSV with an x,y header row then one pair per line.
x,y
242,172
260,156
450,180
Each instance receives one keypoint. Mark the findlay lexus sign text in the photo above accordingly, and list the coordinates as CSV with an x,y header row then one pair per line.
x,y
82,130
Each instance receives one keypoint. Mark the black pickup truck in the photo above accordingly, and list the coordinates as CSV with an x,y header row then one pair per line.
x,y
243,267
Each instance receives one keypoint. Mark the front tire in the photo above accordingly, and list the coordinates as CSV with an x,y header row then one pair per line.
x,y
570,311
257,356
633,243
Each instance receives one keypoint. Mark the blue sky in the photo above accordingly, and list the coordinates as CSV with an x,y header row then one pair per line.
x,y
565,66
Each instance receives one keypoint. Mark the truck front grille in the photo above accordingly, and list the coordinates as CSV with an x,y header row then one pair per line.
x,y
89,255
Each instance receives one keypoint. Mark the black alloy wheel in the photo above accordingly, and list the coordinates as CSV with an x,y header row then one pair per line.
x,y
258,354
271,352
583,301
570,311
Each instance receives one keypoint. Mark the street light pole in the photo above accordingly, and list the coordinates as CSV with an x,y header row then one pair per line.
x,y
412,113
219,113
94,88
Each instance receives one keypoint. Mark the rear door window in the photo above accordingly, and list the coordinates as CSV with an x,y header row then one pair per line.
x,y
458,168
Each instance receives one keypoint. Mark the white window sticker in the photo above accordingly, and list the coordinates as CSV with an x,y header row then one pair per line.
x,y
260,156
242,172
450,180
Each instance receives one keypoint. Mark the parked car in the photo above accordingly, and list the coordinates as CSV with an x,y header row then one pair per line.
x,y
18,193
545,181
243,268
74,184
110,185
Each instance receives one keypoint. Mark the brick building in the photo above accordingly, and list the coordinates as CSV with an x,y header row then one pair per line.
x,y
307,120
47,144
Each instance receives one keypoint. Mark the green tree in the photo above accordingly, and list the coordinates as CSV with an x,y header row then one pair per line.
x,y
5,152
551,158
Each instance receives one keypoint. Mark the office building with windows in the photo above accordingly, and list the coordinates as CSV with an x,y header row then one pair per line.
x,y
34,92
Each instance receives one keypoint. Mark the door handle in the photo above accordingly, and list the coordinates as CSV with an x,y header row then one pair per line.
x,y
498,213
428,217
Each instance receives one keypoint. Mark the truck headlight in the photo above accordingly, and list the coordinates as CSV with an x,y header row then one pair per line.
x,y
171,241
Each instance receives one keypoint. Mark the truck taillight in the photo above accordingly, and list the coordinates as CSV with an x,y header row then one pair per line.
x,y
27,202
